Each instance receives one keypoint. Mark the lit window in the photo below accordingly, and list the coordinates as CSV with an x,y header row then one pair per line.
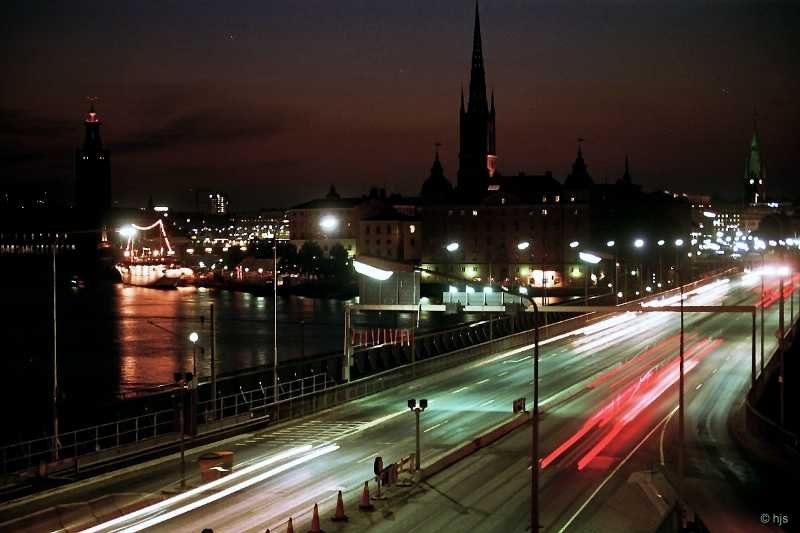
x,y
474,212
412,228
544,212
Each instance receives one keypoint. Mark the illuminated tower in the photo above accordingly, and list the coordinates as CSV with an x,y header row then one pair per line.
x,y
92,170
477,151
755,173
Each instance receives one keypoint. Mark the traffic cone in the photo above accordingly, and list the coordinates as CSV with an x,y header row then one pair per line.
x,y
315,521
365,504
289,526
339,516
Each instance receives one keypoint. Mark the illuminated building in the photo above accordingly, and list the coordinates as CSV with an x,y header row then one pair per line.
x,y
217,203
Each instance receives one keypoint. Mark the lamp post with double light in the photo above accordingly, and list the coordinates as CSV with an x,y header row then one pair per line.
x,y
639,245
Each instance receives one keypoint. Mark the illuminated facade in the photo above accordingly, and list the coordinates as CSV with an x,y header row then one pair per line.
x,y
218,203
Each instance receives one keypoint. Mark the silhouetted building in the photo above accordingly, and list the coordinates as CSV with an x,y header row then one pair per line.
x,y
755,173
477,157
437,188
92,171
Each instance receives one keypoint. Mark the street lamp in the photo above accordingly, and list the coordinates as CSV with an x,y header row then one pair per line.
x,y
452,246
373,272
638,243
193,338
328,223
590,259
417,409
524,245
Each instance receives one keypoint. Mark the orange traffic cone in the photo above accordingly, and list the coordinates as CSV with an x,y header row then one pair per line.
x,y
339,516
315,521
365,504
289,526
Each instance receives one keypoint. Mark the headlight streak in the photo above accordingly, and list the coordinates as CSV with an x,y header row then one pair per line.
x,y
193,492
230,490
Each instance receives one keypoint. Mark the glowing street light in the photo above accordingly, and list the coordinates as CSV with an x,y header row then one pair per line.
x,y
660,242
679,242
371,271
638,243
452,246
611,244
574,244
524,245
590,258
194,337
328,223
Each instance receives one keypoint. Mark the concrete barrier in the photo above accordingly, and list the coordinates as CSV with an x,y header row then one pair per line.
x,y
456,454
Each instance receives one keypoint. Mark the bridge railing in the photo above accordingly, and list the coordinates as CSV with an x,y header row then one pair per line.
x,y
72,444
228,410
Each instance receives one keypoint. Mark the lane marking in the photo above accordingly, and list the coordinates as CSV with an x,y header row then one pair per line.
x,y
435,426
459,390
663,431
698,387
367,458
486,403
503,373
607,479
482,381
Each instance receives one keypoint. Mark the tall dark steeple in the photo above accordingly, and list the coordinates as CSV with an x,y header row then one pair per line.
x,y
626,178
755,173
436,189
579,178
477,154
92,171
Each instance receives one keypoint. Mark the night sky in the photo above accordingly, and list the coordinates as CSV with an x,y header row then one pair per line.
x,y
274,101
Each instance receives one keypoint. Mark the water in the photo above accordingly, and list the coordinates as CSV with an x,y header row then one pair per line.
x,y
116,340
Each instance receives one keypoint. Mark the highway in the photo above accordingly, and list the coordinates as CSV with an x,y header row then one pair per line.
x,y
603,389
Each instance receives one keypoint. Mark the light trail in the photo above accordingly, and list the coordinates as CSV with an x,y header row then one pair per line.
x,y
230,490
194,492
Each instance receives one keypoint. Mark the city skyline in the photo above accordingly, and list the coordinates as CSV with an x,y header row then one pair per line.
x,y
229,111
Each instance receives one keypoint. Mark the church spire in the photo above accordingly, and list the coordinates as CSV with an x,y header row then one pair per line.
x,y
477,82
626,178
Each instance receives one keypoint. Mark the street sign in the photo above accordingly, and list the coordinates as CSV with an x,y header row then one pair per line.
x,y
378,466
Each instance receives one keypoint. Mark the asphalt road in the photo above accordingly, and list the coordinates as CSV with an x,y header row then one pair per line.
x,y
282,472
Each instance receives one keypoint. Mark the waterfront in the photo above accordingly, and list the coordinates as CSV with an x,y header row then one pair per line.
x,y
116,340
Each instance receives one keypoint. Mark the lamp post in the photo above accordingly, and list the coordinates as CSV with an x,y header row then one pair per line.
x,y
55,365
613,244
417,409
588,259
639,244
193,338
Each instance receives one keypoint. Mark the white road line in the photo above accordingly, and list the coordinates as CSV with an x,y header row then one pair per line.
x,y
367,458
607,479
482,381
663,431
434,426
486,403
459,390
698,387
503,373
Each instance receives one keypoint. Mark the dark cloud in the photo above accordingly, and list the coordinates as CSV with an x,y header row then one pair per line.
x,y
202,127
15,123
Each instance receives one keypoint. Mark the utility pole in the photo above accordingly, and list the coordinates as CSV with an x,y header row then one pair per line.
x,y
681,420
781,332
535,425
276,396
55,363
213,360
762,312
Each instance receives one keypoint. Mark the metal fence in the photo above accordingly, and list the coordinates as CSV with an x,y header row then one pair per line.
x,y
152,428
93,439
